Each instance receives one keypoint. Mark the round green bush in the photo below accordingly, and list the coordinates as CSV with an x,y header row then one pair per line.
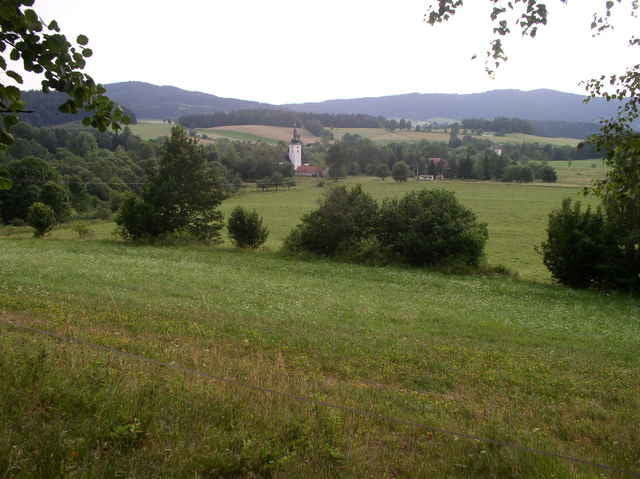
x,y
579,246
430,228
345,217
41,218
246,229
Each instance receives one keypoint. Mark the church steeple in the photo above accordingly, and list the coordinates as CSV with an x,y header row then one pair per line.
x,y
296,135
295,149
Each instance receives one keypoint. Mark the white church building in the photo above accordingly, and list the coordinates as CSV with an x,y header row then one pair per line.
x,y
295,150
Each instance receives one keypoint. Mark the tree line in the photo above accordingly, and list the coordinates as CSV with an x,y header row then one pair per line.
x,y
317,123
81,171
473,159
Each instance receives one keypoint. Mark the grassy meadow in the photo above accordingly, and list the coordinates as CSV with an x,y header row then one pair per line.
x,y
151,129
508,359
380,135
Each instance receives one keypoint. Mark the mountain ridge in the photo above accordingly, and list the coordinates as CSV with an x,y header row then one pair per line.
x,y
539,104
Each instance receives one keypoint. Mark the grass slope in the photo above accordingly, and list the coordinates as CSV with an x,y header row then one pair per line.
x,y
545,366
541,365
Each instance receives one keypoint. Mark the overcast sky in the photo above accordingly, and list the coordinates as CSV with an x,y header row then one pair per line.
x,y
285,51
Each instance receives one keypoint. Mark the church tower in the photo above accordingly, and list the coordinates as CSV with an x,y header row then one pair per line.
x,y
295,150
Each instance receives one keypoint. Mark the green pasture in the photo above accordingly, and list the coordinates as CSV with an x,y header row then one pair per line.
x,y
516,213
234,135
381,135
512,360
150,130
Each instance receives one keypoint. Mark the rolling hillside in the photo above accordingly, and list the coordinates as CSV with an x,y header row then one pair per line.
x,y
152,101
552,113
161,102
529,105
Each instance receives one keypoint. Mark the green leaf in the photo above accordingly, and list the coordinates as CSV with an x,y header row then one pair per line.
x,y
54,26
68,107
5,183
32,20
6,138
15,54
10,120
14,75
3,63
82,40
87,52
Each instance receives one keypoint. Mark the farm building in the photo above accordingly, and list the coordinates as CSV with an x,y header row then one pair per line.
x,y
309,170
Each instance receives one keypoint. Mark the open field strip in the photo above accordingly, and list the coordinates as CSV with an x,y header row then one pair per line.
x,y
275,133
151,129
385,136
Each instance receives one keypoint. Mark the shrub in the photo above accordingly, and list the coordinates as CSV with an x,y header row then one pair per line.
x,y
83,231
521,174
548,174
103,212
578,247
400,171
137,220
344,219
431,227
41,218
246,228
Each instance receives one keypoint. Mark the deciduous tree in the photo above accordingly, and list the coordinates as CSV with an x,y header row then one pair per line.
x,y
181,196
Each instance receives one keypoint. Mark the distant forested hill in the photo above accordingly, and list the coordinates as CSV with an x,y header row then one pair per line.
x,y
551,113
548,105
169,102
44,109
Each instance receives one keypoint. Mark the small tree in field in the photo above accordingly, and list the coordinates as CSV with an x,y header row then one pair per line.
x,y
382,171
41,218
181,197
400,171
246,228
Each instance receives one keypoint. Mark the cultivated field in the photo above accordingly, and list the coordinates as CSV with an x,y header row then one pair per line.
x,y
150,129
257,132
509,360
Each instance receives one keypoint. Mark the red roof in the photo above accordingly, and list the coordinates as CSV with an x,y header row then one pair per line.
x,y
437,161
308,169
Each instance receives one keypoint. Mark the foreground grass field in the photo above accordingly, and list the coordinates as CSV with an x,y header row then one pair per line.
x,y
504,359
